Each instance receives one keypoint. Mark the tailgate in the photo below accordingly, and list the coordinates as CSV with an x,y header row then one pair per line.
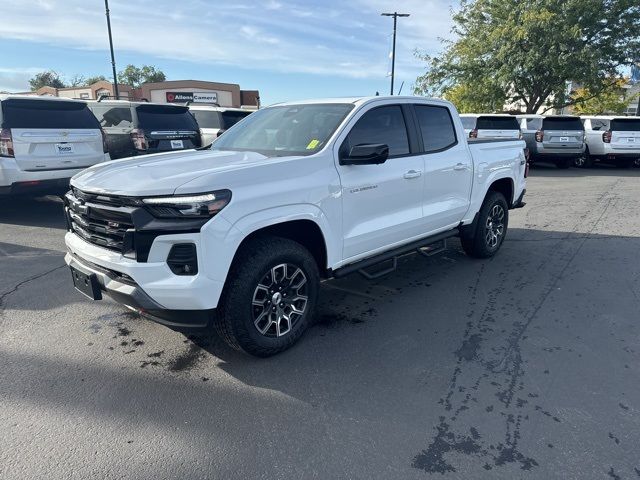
x,y
164,140
558,139
55,149
625,133
486,133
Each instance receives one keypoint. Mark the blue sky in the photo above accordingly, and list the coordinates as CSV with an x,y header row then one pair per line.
x,y
287,49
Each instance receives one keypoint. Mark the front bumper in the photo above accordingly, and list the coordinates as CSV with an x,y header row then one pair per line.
x,y
123,289
154,277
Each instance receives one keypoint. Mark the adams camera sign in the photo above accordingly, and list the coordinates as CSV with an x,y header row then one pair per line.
x,y
193,97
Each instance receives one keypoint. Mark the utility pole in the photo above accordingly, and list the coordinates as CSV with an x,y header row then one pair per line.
x,y
113,58
395,16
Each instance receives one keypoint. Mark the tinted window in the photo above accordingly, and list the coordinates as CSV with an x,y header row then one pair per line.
x,y
497,123
19,113
112,116
534,123
626,125
158,117
558,123
468,122
286,130
436,126
229,119
207,118
381,125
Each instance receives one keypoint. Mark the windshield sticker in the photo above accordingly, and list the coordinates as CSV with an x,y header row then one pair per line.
x,y
313,144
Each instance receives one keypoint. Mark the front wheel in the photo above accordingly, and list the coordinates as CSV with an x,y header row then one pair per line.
x,y
490,229
269,298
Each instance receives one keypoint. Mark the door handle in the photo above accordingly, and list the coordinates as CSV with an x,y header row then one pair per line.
x,y
460,166
412,174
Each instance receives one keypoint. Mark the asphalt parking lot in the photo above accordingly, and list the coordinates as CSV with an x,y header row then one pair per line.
x,y
523,366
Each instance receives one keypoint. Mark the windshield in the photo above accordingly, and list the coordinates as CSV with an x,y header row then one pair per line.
x,y
498,123
25,113
285,130
159,117
562,123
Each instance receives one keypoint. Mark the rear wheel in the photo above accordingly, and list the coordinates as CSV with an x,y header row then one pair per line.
x,y
490,229
270,296
636,163
584,161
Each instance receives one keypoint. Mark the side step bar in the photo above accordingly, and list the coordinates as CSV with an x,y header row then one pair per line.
x,y
418,245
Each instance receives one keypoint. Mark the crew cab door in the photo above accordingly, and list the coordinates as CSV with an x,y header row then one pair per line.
x,y
448,171
381,204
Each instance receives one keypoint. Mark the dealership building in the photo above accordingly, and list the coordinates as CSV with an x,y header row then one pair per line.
x,y
171,91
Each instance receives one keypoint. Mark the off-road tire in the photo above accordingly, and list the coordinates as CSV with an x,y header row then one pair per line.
x,y
235,315
474,242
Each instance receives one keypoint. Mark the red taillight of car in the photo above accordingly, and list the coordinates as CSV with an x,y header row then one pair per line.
x,y
6,143
606,136
473,133
139,140
539,136
105,148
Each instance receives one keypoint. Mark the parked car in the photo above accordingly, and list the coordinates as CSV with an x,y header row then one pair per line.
x,y
214,121
238,236
141,128
612,140
44,142
557,139
490,125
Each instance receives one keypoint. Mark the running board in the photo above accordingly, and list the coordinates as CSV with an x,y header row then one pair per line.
x,y
426,246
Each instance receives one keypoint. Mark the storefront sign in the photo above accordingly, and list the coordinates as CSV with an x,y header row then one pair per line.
x,y
193,97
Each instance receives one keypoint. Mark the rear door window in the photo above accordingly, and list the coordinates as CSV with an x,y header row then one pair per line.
x,y
158,117
436,126
562,124
599,124
625,125
468,123
23,113
113,116
381,125
207,118
497,123
534,123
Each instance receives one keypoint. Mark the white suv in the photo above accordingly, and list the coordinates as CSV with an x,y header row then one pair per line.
x,y
44,142
614,140
214,121
496,125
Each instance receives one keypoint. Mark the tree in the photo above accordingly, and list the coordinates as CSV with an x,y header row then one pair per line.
x,y
96,78
469,98
77,81
136,76
530,50
611,99
46,79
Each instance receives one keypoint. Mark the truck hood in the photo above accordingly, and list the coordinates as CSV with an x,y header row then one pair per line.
x,y
161,174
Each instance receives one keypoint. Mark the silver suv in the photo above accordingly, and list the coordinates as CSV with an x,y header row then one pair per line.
x,y
557,139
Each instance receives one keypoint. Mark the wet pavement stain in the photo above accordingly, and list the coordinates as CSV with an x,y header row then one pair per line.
x,y
187,360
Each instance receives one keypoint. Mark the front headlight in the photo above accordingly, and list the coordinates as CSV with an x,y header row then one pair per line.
x,y
203,205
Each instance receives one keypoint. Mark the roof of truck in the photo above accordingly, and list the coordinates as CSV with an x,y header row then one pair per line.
x,y
612,117
12,96
361,100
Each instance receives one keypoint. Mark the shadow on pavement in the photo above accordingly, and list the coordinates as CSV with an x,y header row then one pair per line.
x,y
32,212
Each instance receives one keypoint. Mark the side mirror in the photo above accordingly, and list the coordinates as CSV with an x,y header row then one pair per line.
x,y
366,154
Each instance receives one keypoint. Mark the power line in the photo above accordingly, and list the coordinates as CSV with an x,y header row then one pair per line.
x,y
395,16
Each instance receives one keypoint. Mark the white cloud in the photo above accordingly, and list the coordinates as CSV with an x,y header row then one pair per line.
x,y
15,79
271,35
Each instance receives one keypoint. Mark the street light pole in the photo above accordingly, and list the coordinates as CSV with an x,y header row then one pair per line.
x,y
113,58
395,16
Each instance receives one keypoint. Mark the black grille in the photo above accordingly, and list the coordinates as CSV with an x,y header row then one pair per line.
x,y
102,220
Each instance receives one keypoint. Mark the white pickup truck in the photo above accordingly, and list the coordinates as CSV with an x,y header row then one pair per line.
x,y
239,235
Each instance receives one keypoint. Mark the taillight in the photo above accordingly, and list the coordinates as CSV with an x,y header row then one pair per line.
x,y
105,148
606,136
6,143
539,136
139,140
473,133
